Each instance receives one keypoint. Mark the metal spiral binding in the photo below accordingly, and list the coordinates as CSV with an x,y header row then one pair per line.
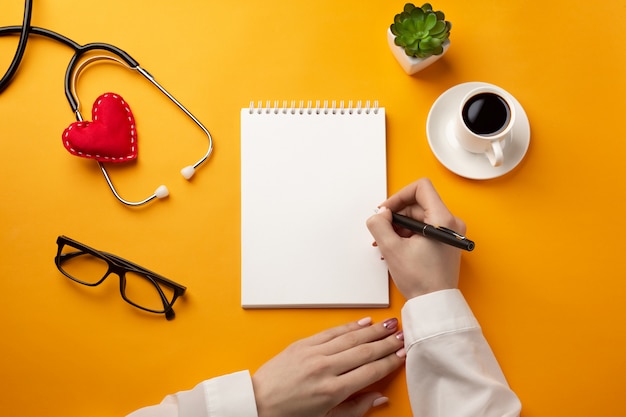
x,y
310,109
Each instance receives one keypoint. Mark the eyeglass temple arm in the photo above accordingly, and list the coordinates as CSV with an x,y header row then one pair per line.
x,y
116,259
138,268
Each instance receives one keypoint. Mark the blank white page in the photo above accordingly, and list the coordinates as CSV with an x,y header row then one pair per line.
x,y
310,178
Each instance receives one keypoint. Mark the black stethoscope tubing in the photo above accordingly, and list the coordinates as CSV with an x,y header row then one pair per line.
x,y
21,46
79,50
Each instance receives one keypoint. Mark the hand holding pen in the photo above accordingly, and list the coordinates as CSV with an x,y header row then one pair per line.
x,y
438,233
418,264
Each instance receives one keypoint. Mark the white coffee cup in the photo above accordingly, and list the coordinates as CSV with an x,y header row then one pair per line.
x,y
484,122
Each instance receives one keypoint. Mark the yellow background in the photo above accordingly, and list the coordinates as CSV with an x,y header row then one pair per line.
x,y
546,280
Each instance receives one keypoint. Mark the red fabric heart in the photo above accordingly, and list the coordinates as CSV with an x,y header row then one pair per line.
x,y
110,137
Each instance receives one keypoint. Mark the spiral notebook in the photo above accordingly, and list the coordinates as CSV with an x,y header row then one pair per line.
x,y
311,175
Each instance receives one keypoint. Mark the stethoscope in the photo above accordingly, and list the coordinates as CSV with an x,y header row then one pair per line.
x,y
75,67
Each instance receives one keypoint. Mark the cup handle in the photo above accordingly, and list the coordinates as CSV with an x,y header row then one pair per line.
x,y
494,154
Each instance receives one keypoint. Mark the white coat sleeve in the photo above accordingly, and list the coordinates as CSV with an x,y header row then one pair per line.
x,y
451,370
225,396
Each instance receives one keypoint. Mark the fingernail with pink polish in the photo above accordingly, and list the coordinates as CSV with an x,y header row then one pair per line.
x,y
401,353
390,324
400,336
366,321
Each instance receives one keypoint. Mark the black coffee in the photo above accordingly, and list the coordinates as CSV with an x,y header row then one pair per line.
x,y
486,114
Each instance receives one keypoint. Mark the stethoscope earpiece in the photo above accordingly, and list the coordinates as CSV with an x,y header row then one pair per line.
x,y
188,172
161,192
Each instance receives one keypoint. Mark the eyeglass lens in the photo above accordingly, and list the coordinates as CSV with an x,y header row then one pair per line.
x,y
137,288
143,291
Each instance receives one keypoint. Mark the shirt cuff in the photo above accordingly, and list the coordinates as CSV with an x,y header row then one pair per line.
x,y
229,395
435,314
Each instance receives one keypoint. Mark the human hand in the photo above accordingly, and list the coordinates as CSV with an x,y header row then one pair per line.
x,y
317,376
418,265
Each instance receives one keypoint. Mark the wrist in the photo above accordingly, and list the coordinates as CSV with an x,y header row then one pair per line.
x,y
419,285
425,291
261,405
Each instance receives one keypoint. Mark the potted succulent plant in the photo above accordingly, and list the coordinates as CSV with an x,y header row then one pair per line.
x,y
418,36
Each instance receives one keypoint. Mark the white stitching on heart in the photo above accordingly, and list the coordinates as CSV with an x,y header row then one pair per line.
x,y
133,133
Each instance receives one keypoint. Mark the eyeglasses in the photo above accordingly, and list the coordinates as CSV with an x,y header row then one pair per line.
x,y
139,287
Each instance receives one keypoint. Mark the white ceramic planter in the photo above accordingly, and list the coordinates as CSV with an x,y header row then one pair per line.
x,y
411,64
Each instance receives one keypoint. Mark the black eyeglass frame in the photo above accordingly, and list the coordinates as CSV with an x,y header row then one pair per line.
x,y
119,266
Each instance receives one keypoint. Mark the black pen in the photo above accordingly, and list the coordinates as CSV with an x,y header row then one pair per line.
x,y
442,234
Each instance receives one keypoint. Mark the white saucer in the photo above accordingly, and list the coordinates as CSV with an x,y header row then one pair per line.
x,y
442,141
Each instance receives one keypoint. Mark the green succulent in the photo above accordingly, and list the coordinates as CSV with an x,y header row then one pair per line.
x,y
420,30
